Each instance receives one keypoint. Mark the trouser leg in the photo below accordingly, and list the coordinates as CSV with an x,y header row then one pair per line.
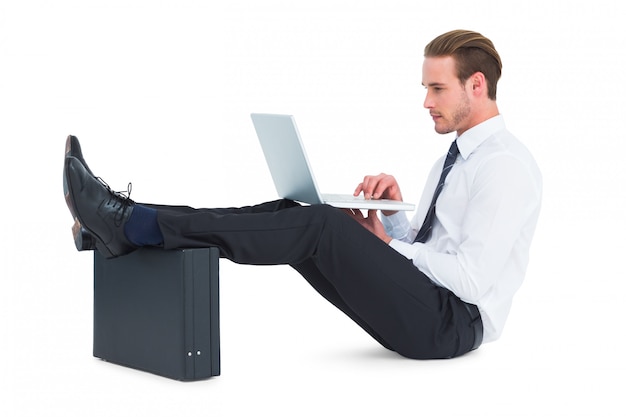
x,y
373,284
270,206
325,288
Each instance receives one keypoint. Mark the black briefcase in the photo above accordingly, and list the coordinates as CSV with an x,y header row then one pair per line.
x,y
158,311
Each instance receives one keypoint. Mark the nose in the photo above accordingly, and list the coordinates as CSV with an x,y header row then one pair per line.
x,y
428,102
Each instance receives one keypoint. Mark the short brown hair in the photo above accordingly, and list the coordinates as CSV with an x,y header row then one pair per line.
x,y
472,53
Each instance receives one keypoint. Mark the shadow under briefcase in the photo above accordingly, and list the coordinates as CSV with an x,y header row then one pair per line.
x,y
158,311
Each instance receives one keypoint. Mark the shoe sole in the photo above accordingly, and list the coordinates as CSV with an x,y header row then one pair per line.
x,y
83,240
80,232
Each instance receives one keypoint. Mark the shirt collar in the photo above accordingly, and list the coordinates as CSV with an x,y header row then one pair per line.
x,y
474,137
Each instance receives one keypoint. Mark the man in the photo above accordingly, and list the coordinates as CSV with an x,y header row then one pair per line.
x,y
435,287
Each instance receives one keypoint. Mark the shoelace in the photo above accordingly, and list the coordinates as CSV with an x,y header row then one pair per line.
x,y
121,198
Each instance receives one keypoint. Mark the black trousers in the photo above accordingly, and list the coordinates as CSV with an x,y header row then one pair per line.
x,y
381,290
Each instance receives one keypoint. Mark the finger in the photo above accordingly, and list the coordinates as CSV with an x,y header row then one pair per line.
x,y
386,186
369,184
379,188
358,189
354,213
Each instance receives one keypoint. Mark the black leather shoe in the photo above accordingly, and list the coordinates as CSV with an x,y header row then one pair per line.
x,y
82,239
99,210
72,148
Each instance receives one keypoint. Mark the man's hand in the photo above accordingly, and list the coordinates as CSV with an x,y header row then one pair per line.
x,y
371,223
379,186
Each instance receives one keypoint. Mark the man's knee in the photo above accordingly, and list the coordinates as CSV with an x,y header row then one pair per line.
x,y
328,213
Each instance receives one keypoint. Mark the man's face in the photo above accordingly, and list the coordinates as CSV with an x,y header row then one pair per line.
x,y
446,98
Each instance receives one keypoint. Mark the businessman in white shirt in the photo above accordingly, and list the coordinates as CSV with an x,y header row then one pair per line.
x,y
434,287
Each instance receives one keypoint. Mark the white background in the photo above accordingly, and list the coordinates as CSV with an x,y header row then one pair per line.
x,y
160,92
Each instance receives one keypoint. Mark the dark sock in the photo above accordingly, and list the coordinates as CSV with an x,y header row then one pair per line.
x,y
142,228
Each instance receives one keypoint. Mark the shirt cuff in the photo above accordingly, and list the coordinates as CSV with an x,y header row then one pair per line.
x,y
410,251
397,225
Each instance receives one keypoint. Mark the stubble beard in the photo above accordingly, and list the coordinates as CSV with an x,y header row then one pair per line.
x,y
460,114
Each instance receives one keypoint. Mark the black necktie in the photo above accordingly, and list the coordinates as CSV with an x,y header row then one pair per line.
x,y
427,226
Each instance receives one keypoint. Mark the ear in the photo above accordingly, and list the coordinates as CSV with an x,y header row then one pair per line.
x,y
477,84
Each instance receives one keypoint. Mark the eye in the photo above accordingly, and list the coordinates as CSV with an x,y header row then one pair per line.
x,y
435,88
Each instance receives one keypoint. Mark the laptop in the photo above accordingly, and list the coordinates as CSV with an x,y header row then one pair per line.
x,y
291,171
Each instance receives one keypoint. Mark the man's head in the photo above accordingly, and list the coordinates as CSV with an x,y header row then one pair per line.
x,y
472,53
461,73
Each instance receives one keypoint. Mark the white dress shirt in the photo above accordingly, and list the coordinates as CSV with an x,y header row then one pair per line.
x,y
485,220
